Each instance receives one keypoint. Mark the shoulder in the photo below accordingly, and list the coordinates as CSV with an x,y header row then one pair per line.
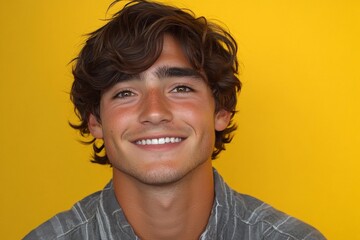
x,y
70,224
270,223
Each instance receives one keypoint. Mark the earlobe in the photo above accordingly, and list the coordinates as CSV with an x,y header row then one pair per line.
x,y
95,127
222,119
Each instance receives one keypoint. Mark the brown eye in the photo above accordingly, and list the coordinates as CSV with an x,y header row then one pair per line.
x,y
125,94
182,89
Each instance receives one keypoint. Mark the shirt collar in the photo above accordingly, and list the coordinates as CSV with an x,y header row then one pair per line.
x,y
114,212
221,208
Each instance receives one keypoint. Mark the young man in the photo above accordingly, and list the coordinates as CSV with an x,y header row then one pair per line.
x,y
156,88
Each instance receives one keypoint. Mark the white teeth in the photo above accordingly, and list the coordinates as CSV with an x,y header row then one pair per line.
x,y
157,141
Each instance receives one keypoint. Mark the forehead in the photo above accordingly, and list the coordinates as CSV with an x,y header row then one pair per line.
x,y
172,62
172,53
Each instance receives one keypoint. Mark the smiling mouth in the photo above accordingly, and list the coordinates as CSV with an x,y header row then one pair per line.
x,y
159,141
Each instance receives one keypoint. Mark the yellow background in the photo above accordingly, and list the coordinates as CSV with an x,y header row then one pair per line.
x,y
298,142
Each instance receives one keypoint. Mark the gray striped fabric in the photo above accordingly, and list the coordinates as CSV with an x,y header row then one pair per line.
x,y
234,217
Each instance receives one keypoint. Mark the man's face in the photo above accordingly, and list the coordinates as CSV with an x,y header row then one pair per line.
x,y
160,125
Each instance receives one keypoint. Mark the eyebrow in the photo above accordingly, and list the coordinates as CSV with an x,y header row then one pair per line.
x,y
166,71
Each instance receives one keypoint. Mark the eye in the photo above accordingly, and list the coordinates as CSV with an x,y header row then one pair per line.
x,y
182,89
124,94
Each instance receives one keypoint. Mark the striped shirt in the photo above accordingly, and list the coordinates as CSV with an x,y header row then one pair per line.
x,y
234,217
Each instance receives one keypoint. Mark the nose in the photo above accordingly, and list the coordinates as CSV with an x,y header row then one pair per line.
x,y
155,108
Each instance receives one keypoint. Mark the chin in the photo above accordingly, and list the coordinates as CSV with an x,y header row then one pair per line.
x,y
159,173
162,176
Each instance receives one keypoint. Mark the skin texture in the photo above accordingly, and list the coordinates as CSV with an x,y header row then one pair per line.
x,y
166,190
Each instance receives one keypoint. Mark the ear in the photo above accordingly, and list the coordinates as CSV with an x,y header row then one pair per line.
x,y
95,127
222,119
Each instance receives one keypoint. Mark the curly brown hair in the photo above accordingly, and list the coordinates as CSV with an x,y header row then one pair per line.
x,y
131,41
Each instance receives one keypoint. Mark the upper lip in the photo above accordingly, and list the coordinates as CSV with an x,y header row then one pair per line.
x,y
158,137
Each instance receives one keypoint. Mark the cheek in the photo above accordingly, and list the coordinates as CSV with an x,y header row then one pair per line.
x,y
116,122
199,116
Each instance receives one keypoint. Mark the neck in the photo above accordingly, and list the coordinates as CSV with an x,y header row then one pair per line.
x,y
175,211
